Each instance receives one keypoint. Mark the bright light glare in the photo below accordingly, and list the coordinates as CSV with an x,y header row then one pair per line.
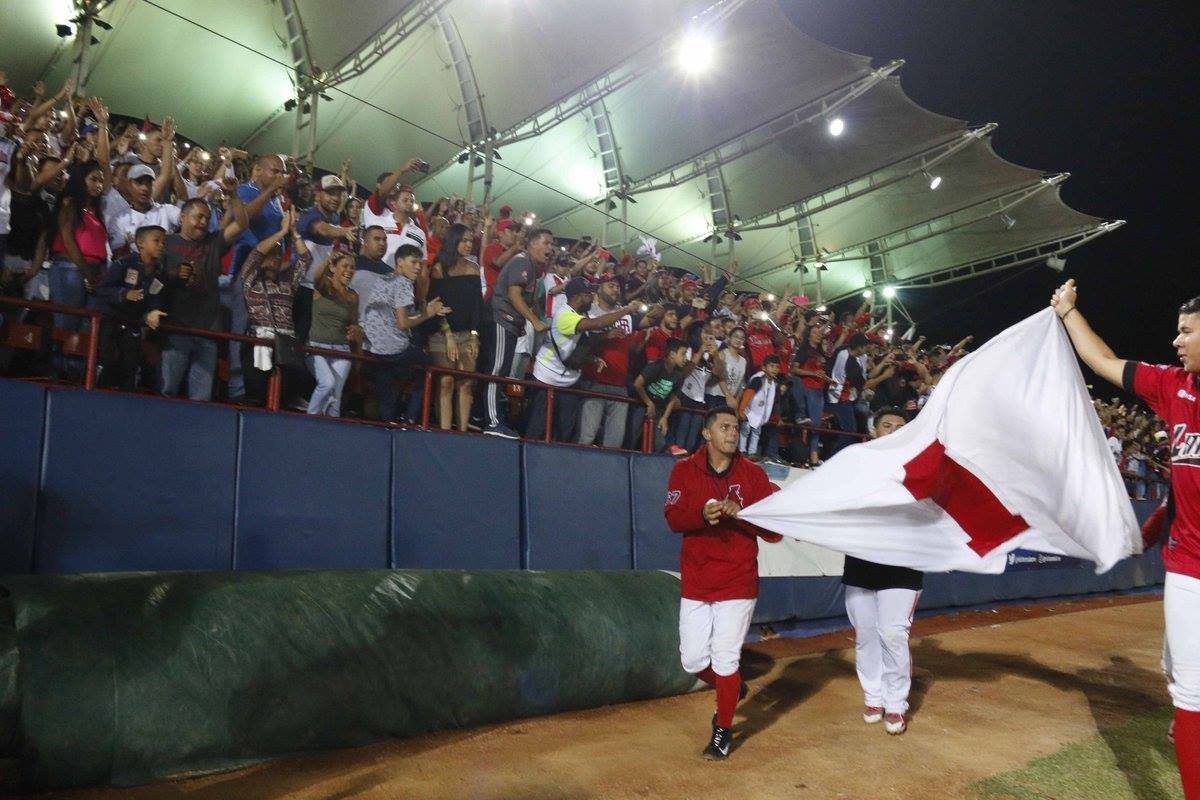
x,y
935,182
770,298
696,53
889,292
836,126
868,294
821,309
529,220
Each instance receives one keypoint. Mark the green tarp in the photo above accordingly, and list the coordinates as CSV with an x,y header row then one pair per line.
x,y
130,678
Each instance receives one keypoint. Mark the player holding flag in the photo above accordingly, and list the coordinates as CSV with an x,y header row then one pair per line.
x,y
1174,394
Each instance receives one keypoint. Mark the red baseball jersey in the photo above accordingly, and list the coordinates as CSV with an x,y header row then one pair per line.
x,y
1174,395
716,562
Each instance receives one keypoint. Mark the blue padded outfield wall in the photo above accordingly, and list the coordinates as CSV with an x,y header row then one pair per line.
x,y
107,482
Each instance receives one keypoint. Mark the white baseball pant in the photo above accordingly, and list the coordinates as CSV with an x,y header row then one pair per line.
x,y
713,633
881,621
1181,647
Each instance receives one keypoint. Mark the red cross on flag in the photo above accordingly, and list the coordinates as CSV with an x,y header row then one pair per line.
x,y
1008,452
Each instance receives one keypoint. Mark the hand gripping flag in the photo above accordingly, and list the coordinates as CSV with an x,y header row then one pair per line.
x,y
1008,452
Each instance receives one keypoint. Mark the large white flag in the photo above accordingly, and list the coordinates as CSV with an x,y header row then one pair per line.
x,y
1007,453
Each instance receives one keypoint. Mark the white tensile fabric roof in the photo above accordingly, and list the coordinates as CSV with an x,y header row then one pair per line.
x,y
583,99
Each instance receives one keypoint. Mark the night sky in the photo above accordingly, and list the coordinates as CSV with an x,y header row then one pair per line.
x,y
1103,90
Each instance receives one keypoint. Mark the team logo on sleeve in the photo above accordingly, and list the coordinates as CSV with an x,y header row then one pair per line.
x,y
673,497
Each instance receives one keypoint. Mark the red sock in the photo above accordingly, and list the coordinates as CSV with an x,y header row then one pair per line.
x,y
1187,750
728,687
708,676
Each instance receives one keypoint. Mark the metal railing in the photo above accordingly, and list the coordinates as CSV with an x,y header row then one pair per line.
x,y
275,381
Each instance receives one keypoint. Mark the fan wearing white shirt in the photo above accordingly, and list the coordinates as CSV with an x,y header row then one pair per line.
x,y
142,211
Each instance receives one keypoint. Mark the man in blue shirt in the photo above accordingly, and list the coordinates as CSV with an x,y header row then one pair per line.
x,y
320,228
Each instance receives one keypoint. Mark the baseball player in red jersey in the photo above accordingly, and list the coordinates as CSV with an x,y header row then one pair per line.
x,y
718,562
1174,394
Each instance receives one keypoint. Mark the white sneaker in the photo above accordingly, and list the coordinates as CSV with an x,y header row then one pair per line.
x,y
894,724
872,714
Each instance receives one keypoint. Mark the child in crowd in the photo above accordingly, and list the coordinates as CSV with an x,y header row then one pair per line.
x,y
758,400
658,386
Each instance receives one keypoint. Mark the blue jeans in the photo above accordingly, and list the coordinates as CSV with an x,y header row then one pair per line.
x,y
749,439
847,421
686,425
66,288
814,407
331,374
193,356
566,414
231,297
396,366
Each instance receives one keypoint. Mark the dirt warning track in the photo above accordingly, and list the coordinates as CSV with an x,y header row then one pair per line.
x,y
992,691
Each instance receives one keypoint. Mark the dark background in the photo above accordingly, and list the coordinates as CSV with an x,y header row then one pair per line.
x,y
1103,90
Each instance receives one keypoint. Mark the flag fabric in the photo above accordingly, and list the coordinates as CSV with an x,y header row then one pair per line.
x,y
1007,453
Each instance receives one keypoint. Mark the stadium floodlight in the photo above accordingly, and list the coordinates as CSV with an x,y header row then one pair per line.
x,y
696,53
868,295
821,266
889,292
934,180
64,31
836,126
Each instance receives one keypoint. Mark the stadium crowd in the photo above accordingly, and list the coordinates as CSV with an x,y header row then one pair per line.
x,y
171,240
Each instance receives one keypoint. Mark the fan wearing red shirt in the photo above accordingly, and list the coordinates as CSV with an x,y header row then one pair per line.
x,y
718,562
506,245
658,336
761,335
608,373
1174,394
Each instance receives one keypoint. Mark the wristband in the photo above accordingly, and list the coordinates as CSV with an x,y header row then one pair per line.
x,y
1069,310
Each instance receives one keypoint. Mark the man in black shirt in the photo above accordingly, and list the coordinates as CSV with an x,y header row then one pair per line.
x,y
880,601
192,266
658,388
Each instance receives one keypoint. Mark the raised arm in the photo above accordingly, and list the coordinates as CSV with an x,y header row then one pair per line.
x,y
165,182
41,109
1091,348
103,146
391,180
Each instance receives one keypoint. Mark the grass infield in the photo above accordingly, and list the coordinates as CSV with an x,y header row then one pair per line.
x,y
1132,761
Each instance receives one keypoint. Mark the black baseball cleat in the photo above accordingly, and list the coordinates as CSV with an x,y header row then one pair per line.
x,y
718,746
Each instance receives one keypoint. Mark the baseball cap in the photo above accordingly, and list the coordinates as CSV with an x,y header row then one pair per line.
x,y
577,285
330,183
404,187
139,171
505,211
689,282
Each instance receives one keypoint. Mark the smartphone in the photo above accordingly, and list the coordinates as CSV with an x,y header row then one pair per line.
x,y
422,167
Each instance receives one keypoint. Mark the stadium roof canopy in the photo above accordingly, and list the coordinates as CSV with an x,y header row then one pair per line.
x,y
595,124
